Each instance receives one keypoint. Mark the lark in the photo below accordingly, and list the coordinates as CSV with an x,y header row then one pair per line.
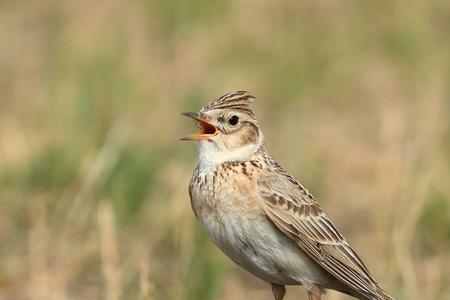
x,y
261,217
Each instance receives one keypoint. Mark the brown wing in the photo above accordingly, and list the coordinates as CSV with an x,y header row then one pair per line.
x,y
295,212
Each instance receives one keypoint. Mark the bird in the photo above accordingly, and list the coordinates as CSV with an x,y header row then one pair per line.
x,y
260,216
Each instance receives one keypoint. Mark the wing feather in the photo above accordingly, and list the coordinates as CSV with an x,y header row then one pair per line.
x,y
295,212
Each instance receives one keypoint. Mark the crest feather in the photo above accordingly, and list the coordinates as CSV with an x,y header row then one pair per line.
x,y
239,100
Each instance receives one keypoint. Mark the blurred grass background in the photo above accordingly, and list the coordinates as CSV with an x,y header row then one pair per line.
x,y
353,97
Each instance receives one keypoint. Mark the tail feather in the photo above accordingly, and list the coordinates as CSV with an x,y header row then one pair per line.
x,y
379,294
384,294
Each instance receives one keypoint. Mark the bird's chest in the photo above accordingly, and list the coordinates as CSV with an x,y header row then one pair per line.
x,y
228,209
221,191
224,201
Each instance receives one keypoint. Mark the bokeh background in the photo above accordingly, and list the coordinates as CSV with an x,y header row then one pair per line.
x,y
353,97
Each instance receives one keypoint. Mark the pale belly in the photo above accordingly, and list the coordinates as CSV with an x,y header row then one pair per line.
x,y
255,244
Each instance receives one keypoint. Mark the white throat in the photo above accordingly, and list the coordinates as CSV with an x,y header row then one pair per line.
x,y
210,155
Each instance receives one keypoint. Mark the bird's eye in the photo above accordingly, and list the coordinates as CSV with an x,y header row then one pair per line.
x,y
233,120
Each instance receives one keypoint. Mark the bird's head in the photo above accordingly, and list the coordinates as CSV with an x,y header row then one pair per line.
x,y
228,129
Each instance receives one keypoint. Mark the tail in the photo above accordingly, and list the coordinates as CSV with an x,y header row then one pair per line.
x,y
384,294
378,294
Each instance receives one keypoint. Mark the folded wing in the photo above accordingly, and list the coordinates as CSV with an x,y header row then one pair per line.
x,y
295,212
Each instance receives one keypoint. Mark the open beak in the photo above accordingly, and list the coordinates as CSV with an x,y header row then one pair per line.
x,y
207,130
